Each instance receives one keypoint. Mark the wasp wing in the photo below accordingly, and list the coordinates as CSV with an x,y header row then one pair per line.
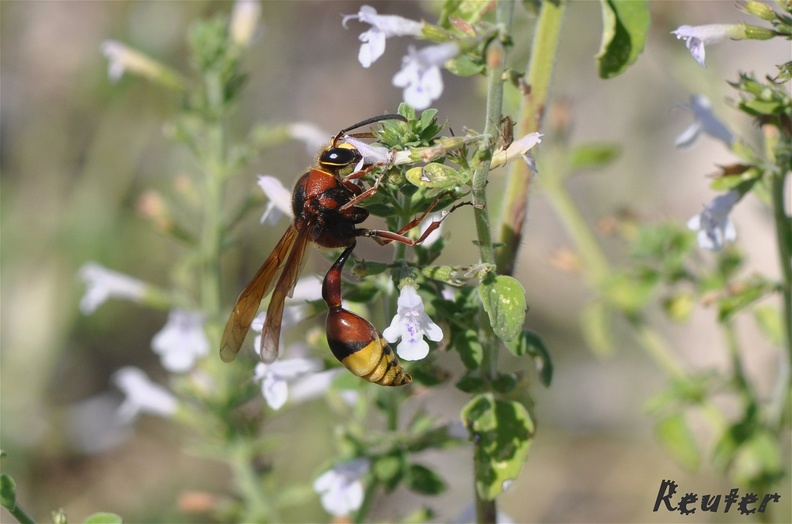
x,y
270,335
250,299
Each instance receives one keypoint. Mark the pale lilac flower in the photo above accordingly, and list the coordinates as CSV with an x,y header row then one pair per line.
x,y
696,37
142,395
705,122
102,284
310,134
275,377
372,154
244,21
714,226
279,199
91,425
122,58
313,386
181,341
420,73
517,149
410,325
341,488
382,28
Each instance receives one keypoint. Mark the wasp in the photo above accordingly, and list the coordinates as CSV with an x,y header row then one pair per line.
x,y
326,212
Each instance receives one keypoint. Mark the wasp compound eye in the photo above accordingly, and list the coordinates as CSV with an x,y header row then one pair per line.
x,y
339,157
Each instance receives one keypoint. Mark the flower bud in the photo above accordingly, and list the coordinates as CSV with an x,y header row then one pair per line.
x,y
753,32
759,10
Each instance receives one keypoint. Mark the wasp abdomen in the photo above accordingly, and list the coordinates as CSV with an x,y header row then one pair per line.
x,y
362,350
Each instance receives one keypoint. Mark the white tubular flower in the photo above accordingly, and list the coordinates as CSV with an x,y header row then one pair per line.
x,y
275,377
420,73
371,154
410,325
382,28
123,58
517,149
314,385
142,395
705,122
341,489
181,341
696,37
279,199
244,21
310,134
102,284
714,226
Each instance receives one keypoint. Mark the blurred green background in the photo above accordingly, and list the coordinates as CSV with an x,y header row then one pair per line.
x,y
77,152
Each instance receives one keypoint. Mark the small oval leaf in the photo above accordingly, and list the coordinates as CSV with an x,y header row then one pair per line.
x,y
503,298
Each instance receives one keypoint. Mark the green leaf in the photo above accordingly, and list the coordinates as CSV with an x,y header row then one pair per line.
x,y
471,384
758,461
502,431
742,295
104,518
679,307
596,324
530,343
630,292
679,442
7,492
435,175
625,26
768,319
469,348
470,11
503,298
389,470
592,156
505,383
464,65
424,480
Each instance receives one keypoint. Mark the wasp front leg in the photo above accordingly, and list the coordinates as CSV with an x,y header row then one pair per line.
x,y
354,341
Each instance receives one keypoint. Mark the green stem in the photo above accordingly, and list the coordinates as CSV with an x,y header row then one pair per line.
x,y
486,510
215,170
19,513
738,370
783,227
368,498
593,259
257,505
538,77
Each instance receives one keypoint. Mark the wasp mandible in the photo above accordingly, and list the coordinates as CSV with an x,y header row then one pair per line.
x,y
324,202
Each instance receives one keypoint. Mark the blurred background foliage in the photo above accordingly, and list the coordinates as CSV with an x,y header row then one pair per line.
x,y
77,152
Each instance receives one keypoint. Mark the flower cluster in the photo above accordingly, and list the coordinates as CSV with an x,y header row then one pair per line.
x,y
420,72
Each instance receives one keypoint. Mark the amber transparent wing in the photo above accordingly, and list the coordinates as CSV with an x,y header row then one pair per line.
x,y
250,299
270,336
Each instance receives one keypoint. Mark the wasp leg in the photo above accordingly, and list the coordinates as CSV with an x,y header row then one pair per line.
x,y
354,341
365,194
384,237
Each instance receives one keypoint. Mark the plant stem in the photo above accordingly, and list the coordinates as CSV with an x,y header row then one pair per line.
x,y
593,260
539,75
22,516
783,226
486,510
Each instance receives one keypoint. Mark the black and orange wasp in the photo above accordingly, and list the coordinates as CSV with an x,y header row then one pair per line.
x,y
326,212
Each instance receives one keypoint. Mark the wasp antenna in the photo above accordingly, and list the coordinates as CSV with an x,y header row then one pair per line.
x,y
372,120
